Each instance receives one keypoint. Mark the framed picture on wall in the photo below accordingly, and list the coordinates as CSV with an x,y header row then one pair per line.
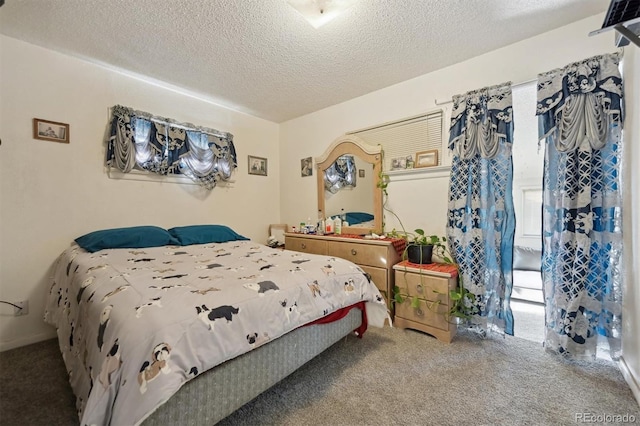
x,y
257,165
306,167
427,158
50,130
399,163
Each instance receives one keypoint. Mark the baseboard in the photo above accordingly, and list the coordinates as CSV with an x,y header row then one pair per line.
x,y
24,341
632,381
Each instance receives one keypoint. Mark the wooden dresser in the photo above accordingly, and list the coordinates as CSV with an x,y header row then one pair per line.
x,y
432,289
375,257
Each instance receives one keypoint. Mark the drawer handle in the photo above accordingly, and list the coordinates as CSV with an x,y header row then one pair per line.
x,y
304,246
419,312
354,252
419,288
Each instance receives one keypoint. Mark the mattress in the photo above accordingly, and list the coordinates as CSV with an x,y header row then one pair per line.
x,y
135,325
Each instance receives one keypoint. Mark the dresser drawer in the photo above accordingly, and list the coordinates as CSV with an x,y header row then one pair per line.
x,y
306,245
362,254
424,286
379,278
428,314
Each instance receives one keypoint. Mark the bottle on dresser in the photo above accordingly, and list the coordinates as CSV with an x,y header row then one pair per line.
x,y
320,226
343,217
337,225
328,226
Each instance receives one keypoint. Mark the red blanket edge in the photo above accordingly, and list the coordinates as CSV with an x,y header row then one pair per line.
x,y
341,313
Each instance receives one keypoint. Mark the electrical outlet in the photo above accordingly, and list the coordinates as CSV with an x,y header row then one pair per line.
x,y
23,308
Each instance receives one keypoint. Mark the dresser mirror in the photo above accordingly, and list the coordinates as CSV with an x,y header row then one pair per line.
x,y
362,202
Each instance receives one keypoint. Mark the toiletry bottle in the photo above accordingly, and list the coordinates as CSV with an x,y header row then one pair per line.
x,y
337,225
320,226
343,217
329,225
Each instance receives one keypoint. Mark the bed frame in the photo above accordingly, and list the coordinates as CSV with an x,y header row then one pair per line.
x,y
215,394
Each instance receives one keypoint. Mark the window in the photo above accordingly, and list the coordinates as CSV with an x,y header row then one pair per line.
x,y
404,138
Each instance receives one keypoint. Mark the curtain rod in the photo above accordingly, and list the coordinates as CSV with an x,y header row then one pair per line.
x,y
522,83
191,127
121,109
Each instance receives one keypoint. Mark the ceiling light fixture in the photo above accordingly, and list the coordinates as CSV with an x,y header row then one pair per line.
x,y
319,12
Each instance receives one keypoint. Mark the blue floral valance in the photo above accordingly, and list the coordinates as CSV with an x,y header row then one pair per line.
x,y
139,140
580,101
479,120
341,174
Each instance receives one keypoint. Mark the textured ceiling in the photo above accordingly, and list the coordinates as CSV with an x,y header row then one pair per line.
x,y
263,58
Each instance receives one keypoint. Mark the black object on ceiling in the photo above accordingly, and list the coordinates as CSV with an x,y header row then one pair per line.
x,y
624,17
621,11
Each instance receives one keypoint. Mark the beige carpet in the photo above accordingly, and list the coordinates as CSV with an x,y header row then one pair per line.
x,y
528,320
389,377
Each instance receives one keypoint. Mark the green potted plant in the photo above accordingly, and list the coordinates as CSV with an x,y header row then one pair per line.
x,y
420,247
461,300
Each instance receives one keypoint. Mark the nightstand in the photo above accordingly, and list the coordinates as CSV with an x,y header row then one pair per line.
x,y
431,284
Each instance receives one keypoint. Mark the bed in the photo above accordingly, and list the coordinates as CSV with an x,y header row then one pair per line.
x,y
188,325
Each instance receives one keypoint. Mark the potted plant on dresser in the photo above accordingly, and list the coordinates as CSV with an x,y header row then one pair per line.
x,y
429,296
450,302
420,248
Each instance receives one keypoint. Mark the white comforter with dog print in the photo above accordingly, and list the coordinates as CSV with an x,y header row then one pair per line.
x,y
135,324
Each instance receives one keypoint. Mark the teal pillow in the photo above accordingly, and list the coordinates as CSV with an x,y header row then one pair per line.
x,y
134,237
204,234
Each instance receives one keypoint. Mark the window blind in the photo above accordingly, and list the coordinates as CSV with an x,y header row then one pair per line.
x,y
404,138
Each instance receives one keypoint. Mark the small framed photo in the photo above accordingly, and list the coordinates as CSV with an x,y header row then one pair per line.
x,y
257,165
399,163
361,173
306,167
427,158
50,130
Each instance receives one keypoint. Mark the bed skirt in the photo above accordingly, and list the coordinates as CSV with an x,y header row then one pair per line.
x,y
215,394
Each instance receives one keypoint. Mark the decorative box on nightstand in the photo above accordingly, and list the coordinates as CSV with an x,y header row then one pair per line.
x,y
431,284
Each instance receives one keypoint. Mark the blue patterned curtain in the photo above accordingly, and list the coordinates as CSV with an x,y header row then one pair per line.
x,y
481,221
580,118
139,140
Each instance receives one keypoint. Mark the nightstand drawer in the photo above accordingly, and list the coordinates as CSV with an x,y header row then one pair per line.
x,y
429,313
362,254
306,245
424,286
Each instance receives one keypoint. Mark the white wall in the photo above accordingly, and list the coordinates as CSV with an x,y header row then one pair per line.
x,y
421,202
630,360
51,193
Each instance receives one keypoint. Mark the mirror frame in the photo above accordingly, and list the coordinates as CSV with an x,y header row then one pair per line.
x,y
350,144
